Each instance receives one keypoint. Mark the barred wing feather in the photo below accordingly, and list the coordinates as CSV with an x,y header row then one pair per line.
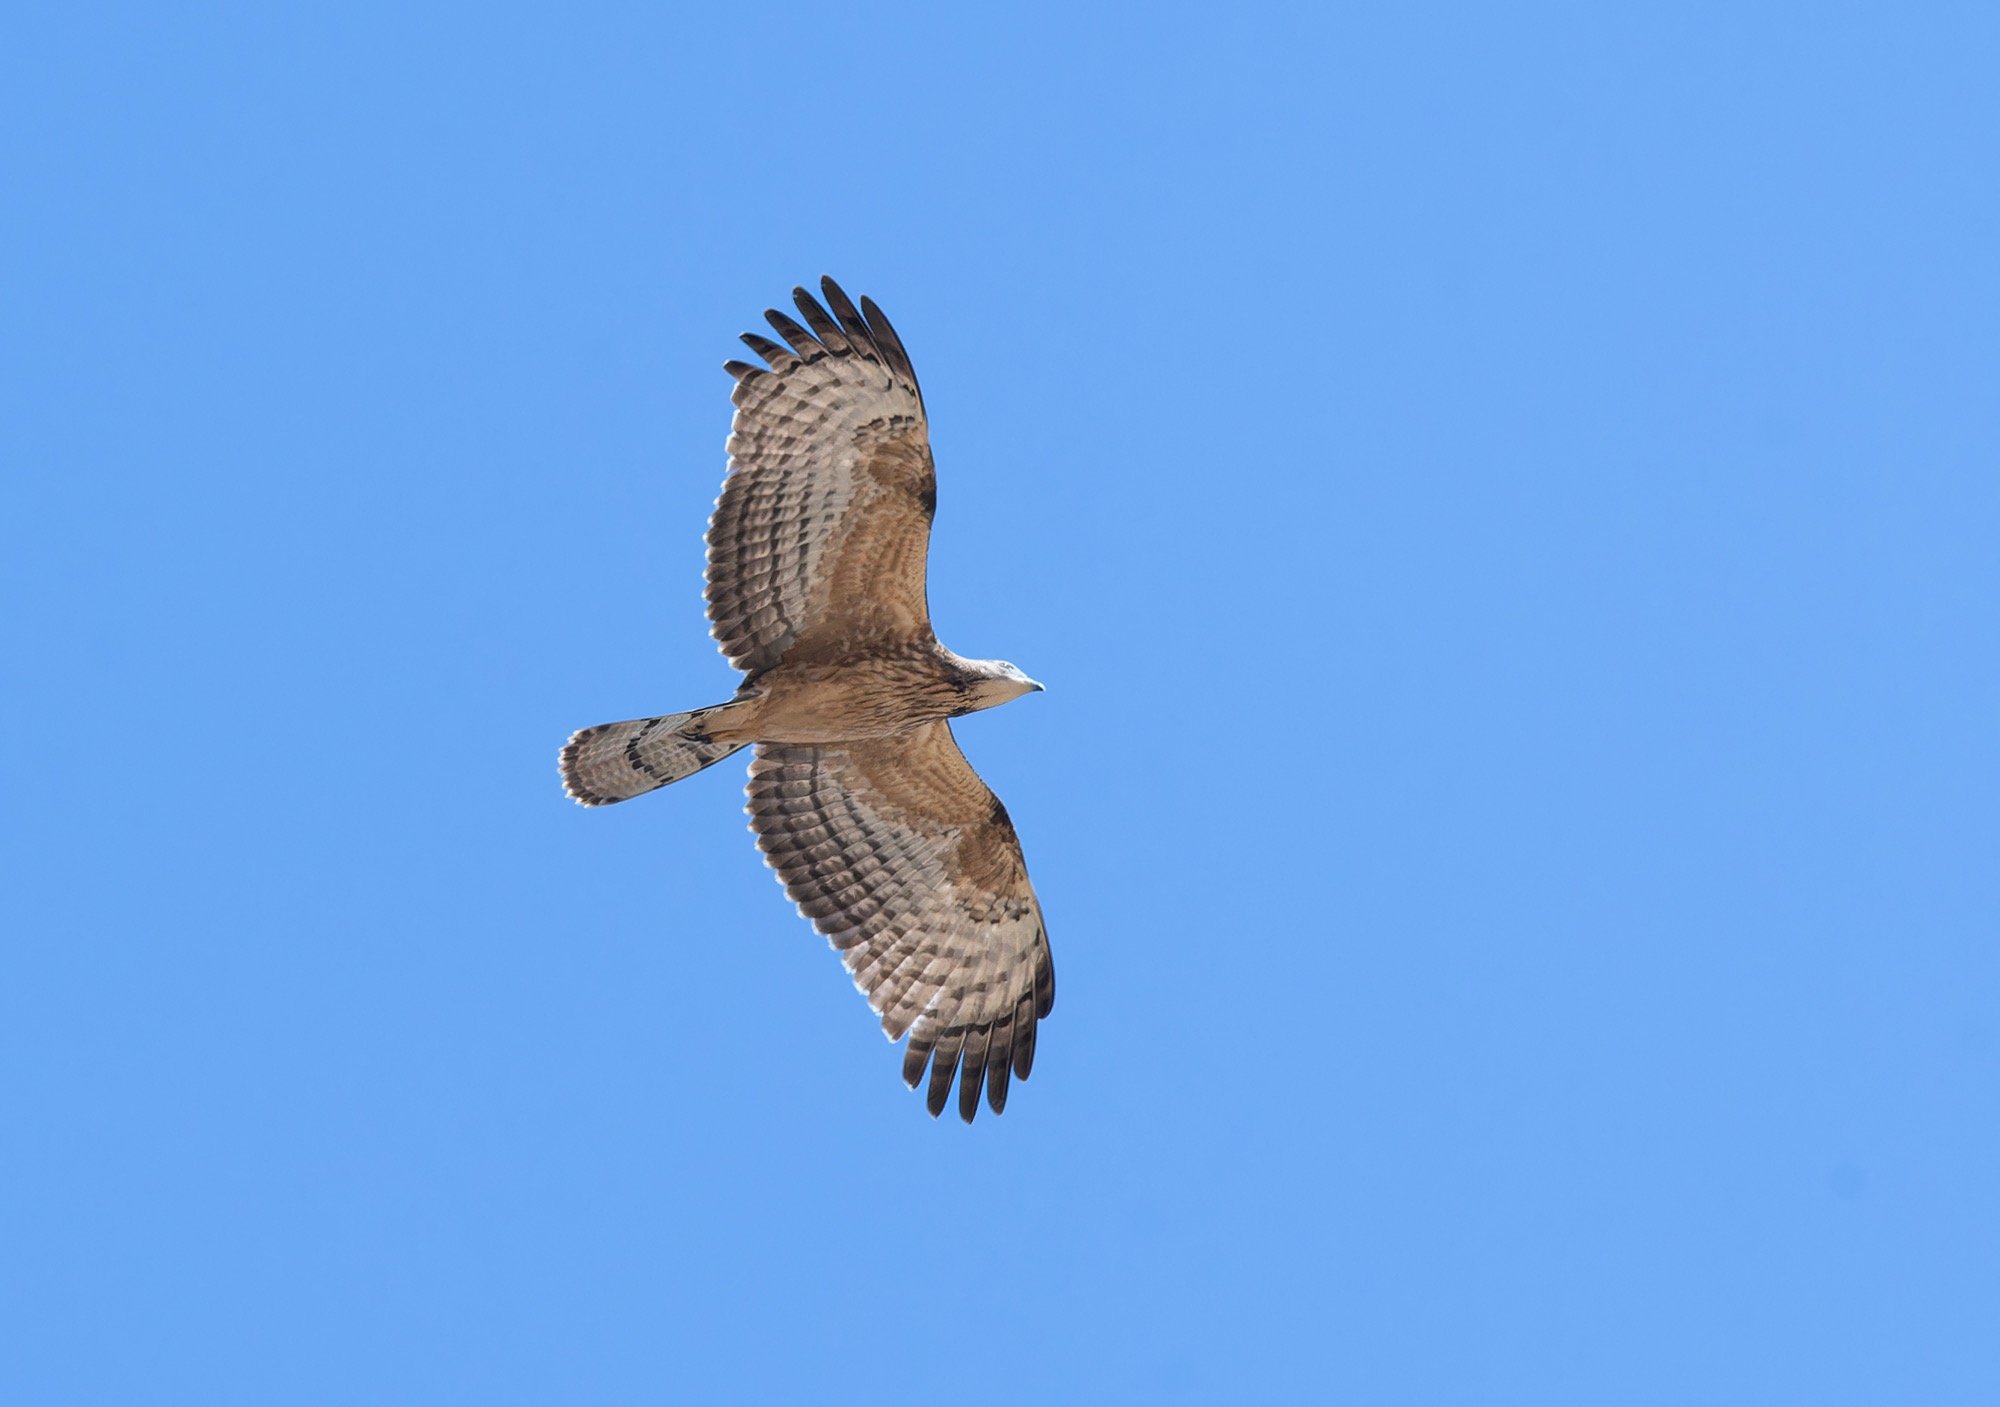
x,y
818,541
907,862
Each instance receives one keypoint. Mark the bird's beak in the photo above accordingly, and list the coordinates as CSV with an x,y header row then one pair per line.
x,y
1036,687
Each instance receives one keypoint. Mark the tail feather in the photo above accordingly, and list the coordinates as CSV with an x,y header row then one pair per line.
x,y
618,761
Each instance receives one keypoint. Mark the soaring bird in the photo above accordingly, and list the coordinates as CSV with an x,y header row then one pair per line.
x,y
876,824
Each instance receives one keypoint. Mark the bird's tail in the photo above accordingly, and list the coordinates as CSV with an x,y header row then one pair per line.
x,y
618,761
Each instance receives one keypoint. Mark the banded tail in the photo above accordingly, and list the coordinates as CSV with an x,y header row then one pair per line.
x,y
618,761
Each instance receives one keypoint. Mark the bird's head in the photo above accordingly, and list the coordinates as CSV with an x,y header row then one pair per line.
x,y
990,683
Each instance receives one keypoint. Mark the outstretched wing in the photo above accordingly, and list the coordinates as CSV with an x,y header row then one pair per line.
x,y
904,859
818,541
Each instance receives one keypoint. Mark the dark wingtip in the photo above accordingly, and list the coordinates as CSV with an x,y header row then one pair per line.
x,y
996,1085
764,347
825,326
849,317
944,1066
802,343
883,333
1024,1051
971,1080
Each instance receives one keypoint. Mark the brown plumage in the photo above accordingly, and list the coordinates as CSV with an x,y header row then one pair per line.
x,y
862,802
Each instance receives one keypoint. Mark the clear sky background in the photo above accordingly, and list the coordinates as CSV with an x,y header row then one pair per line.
x,y
1506,501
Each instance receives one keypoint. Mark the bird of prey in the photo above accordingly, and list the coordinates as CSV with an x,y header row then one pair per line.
x,y
876,824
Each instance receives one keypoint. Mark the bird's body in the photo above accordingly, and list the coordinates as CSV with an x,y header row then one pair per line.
x,y
873,694
878,827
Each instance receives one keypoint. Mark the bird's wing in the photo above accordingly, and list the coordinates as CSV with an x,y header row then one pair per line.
x,y
905,860
818,541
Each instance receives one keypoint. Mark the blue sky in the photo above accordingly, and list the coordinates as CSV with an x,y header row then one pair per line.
x,y
1503,499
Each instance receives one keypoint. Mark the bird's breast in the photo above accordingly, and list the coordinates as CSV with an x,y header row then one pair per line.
x,y
868,697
